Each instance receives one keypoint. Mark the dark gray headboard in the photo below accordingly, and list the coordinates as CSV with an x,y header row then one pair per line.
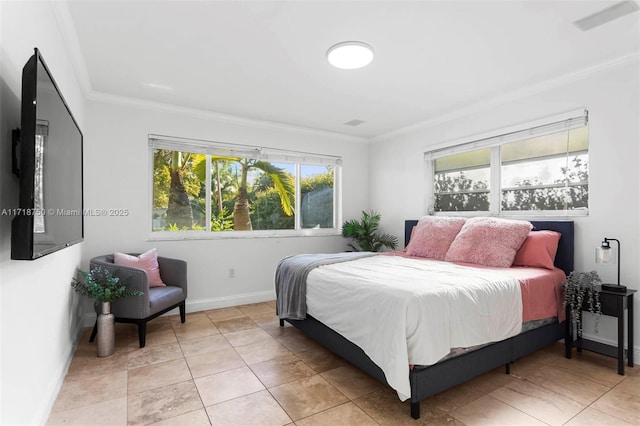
x,y
564,256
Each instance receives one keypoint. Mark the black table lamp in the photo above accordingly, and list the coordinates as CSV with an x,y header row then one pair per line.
x,y
606,254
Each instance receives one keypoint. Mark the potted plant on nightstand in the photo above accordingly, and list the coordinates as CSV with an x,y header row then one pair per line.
x,y
580,288
363,232
105,287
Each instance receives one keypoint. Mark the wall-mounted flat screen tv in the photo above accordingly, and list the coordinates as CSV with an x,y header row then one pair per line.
x,y
49,163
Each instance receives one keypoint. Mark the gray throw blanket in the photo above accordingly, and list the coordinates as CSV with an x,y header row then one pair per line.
x,y
291,280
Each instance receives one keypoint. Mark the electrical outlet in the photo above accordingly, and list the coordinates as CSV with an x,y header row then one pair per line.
x,y
232,273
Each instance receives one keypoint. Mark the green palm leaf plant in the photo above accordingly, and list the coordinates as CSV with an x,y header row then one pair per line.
x,y
180,185
282,182
364,235
102,285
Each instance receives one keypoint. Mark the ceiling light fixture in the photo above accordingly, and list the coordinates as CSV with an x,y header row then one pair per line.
x,y
350,55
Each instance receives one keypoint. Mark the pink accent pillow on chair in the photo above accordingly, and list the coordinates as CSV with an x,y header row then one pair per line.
x,y
433,235
147,261
538,250
488,241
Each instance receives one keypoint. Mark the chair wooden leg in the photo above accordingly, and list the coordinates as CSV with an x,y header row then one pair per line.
x,y
182,312
94,332
142,333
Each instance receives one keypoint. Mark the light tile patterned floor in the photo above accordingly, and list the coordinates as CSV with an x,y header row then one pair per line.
x,y
237,366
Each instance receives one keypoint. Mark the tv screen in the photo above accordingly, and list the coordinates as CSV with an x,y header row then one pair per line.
x,y
50,212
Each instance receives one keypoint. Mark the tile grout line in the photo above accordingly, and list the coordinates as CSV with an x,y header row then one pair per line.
x,y
597,379
572,373
605,394
516,408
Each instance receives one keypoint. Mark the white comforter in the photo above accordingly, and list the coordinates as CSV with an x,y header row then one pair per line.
x,y
413,311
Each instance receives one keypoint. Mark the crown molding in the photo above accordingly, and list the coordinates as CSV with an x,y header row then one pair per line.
x,y
220,117
491,102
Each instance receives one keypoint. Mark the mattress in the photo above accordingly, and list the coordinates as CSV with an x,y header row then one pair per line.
x,y
403,311
526,326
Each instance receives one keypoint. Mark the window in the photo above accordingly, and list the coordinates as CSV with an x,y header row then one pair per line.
x,y
461,181
204,188
547,172
543,168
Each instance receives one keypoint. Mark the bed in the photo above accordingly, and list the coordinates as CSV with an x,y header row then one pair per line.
x,y
455,368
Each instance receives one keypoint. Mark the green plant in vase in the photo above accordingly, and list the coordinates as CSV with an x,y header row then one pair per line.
x,y
580,288
100,284
105,287
364,234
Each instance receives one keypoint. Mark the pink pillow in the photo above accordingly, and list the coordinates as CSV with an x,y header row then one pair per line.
x,y
433,235
538,250
413,231
147,261
488,241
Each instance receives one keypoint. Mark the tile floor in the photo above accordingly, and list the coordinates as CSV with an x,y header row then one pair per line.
x,y
236,366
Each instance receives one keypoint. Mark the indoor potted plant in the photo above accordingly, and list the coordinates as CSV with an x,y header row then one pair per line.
x,y
363,232
105,287
580,292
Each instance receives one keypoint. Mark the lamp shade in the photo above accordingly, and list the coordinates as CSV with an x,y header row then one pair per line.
x,y
607,254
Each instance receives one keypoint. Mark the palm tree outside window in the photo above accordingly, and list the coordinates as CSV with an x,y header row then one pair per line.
x,y
220,188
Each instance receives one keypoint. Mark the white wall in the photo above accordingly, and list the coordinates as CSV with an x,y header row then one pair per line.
x,y
611,96
39,313
117,175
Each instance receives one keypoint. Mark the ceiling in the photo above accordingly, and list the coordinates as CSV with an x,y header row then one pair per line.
x,y
265,60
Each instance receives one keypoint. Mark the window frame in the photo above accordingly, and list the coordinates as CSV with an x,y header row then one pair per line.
x,y
298,158
494,140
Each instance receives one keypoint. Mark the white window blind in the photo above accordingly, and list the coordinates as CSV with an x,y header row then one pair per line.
x,y
555,124
238,150
539,166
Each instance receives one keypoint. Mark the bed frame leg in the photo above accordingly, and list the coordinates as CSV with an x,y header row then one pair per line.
x,y
281,323
507,368
415,410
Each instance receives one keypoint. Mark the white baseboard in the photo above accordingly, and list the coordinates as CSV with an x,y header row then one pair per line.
x,y
224,302
206,304
42,414
600,339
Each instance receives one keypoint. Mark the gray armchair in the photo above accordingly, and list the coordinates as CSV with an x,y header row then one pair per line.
x,y
154,301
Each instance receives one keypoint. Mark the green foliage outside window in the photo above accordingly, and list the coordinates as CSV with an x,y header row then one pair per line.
x,y
316,204
456,192
317,200
537,169
246,194
572,193
176,185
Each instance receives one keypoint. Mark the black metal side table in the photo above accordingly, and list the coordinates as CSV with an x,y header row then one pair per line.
x,y
613,304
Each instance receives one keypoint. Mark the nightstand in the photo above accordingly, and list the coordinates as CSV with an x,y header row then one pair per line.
x,y
613,304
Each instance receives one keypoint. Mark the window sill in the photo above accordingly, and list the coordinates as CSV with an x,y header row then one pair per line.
x,y
529,214
235,235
